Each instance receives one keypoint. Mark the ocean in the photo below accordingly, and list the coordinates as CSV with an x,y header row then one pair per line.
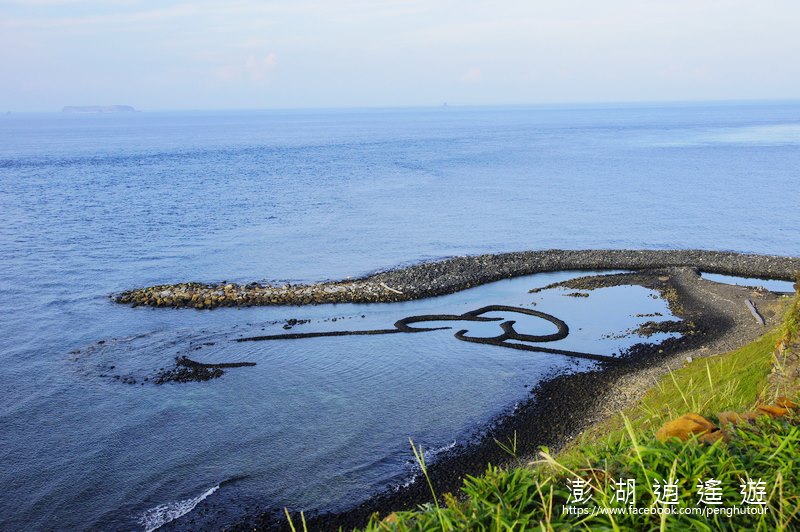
x,y
91,205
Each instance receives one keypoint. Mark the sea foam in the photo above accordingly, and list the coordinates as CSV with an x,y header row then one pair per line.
x,y
158,516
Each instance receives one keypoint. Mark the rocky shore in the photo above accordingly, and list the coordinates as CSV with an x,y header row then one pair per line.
x,y
452,275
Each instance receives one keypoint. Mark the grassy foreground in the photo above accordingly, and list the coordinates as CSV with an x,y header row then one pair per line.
x,y
625,479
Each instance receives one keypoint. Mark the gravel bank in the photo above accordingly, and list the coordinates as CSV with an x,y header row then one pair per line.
x,y
452,275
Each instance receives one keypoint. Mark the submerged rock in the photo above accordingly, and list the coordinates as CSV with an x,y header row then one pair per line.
x,y
188,370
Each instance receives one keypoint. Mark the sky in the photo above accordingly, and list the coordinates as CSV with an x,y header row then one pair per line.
x,y
248,54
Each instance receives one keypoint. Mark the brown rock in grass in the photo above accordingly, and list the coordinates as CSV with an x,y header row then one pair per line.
x,y
713,437
785,402
685,426
736,418
773,410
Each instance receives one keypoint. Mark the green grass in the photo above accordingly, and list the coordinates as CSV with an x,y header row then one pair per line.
x,y
528,498
532,497
732,381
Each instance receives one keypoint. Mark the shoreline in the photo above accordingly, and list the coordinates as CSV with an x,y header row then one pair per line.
x,y
430,279
560,409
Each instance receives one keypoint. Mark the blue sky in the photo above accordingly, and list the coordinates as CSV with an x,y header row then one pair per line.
x,y
284,54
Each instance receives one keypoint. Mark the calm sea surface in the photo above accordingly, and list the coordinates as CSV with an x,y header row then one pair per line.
x,y
91,205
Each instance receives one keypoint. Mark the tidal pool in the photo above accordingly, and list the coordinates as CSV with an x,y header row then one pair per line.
x,y
770,284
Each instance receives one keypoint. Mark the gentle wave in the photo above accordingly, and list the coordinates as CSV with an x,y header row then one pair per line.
x,y
431,453
417,470
155,518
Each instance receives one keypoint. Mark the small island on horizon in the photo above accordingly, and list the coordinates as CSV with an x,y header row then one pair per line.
x,y
98,109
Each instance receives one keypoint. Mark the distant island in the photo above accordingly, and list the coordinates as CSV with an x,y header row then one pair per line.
x,y
98,109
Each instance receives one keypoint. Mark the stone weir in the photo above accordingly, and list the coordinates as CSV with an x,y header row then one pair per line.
x,y
454,274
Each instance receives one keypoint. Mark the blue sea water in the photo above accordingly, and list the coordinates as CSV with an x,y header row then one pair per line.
x,y
91,205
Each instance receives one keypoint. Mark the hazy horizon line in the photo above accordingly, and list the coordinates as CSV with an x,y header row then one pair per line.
x,y
444,104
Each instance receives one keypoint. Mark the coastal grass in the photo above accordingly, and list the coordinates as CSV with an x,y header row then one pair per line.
x,y
731,381
534,497
758,459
